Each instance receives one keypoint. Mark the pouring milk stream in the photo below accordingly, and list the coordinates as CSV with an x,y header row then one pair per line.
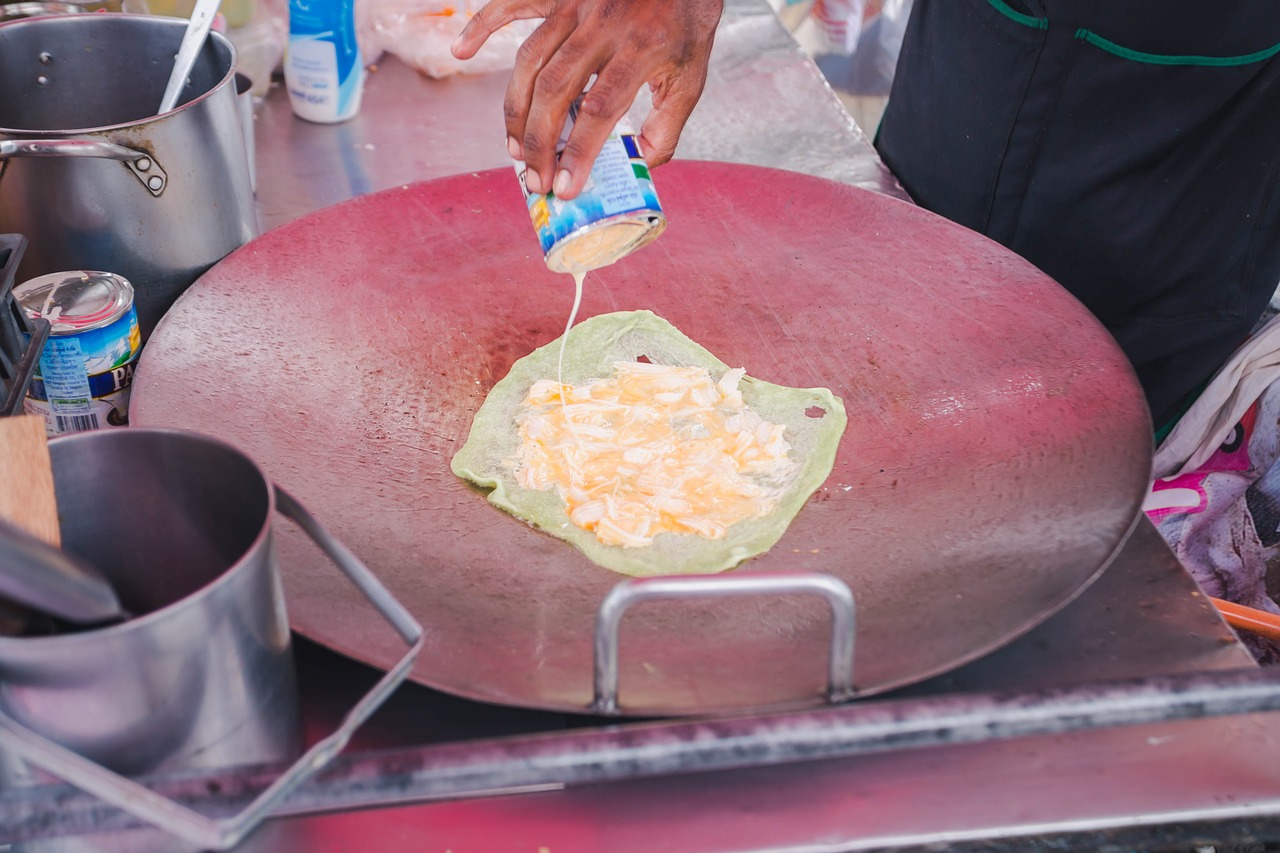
x,y
616,213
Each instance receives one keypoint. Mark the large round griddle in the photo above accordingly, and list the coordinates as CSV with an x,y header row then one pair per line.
x,y
997,450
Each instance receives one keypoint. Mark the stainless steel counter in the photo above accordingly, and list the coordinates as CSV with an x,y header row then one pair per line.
x,y
765,104
1041,744
433,772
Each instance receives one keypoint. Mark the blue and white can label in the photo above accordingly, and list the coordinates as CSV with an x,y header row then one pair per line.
x,y
86,368
616,213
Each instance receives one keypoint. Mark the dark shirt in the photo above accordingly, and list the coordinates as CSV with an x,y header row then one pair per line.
x,y
1131,150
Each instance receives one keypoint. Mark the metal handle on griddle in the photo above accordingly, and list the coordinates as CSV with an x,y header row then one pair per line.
x,y
189,825
624,595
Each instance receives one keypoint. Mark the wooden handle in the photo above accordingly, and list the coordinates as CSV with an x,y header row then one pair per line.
x,y
27,498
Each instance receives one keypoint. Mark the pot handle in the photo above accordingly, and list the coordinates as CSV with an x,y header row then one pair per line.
x,y
142,164
836,592
191,826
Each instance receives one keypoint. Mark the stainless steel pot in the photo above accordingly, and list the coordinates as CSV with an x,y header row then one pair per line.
x,y
95,179
202,676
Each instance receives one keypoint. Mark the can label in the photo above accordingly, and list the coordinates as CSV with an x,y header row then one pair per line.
x,y
83,379
616,213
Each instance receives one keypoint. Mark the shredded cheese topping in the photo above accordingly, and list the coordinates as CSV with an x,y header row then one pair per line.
x,y
652,449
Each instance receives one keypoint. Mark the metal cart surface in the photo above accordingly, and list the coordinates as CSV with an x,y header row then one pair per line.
x,y
1133,718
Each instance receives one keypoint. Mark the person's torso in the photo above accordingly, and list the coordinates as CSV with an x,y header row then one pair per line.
x,y
1128,149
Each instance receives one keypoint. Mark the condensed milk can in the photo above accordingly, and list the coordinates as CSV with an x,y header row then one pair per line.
x,y
86,369
616,213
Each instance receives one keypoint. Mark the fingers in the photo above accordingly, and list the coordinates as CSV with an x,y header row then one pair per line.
x,y
666,43
623,43
492,17
551,71
602,107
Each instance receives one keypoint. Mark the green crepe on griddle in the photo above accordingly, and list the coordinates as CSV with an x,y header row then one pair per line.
x,y
487,459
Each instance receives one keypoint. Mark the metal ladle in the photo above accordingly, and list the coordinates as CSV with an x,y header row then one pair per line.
x,y
34,572
50,581
192,40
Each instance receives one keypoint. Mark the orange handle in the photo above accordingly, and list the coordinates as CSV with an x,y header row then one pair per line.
x,y
1249,619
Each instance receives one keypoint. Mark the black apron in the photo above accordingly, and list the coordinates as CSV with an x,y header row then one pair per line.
x,y
1128,148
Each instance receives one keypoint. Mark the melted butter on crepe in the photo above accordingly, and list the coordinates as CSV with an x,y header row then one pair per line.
x,y
789,438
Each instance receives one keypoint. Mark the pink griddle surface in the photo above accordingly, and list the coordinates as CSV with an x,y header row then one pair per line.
x,y
997,451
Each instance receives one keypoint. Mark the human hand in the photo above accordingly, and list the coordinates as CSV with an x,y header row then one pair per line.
x,y
625,44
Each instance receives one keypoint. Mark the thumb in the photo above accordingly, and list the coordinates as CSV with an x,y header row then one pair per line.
x,y
660,133
673,103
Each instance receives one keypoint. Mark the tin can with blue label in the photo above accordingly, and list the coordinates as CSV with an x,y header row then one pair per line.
x,y
86,368
616,213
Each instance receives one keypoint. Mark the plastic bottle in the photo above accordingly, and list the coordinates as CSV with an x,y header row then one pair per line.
x,y
323,69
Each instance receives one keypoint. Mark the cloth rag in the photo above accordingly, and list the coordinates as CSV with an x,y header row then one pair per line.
x,y
1216,494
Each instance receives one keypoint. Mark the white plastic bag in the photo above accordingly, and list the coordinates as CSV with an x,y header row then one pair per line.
x,y
826,27
877,55
840,23
419,33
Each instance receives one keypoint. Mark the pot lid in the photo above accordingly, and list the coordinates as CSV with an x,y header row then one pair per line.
x,y
75,301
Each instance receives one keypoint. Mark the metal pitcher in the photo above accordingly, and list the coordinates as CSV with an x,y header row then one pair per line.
x,y
95,179
202,674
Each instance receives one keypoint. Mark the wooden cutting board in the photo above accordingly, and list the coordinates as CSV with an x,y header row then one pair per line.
x,y
27,498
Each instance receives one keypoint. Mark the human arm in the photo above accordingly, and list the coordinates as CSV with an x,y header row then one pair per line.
x,y
625,44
